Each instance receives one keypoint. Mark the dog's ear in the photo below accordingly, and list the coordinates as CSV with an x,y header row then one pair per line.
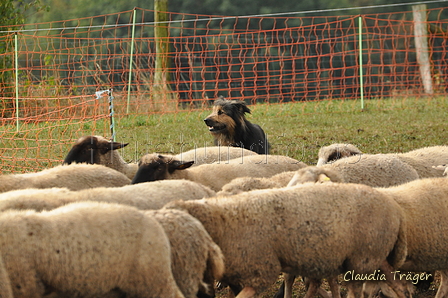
x,y
241,105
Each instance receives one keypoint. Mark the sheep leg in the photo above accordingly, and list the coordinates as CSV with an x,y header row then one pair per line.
x,y
397,286
334,287
312,288
246,292
289,282
371,289
355,289
442,292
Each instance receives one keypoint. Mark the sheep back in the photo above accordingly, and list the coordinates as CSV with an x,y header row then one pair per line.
x,y
73,177
214,154
316,231
150,195
86,249
378,170
423,160
192,248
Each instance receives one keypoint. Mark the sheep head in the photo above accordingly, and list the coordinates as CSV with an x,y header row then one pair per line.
x,y
152,167
334,152
93,150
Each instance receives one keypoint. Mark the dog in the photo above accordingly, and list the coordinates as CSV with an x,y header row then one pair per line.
x,y
229,126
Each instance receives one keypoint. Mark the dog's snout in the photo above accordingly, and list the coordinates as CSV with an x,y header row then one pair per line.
x,y
208,121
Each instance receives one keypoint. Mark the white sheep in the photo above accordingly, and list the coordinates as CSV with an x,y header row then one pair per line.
x,y
155,166
306,174
144,196
214,154
380,170
425,205
73,177
196,260
86,250
422,160
317,231
372,170
99,150
333,152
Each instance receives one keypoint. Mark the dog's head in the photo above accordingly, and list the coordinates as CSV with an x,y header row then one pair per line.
x,y
227,115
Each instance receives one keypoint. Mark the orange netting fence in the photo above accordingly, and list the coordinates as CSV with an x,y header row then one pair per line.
x,y
52,71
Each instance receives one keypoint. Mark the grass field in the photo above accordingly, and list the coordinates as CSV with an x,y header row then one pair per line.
x,y
300,129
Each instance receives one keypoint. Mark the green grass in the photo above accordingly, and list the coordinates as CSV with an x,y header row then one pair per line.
x,y
300,129
294,129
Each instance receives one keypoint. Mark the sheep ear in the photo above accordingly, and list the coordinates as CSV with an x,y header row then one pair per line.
x,y
117,145
178,165
109,146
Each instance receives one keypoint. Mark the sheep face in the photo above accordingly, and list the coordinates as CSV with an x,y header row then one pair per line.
x,y
335,152
91,149
153,167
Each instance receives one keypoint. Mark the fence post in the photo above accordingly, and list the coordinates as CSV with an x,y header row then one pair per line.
x,y
421,45
16,66
161,85
361,75
131,60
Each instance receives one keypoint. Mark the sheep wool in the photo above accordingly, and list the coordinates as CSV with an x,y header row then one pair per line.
x,y
144,196
214,154
196,260
317,231
73,177
86,249
378,170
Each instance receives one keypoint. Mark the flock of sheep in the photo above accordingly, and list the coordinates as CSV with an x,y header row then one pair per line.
x,y
179,225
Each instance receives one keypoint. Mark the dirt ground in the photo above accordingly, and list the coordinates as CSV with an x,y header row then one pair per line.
x,y
299,290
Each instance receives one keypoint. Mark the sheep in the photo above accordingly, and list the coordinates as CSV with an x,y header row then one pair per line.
x,y
425,205
379,170
154,167
74,177
99,150
306,174
317,231
333,152
372,170
422,159
214,154
144,196
194,254
86,250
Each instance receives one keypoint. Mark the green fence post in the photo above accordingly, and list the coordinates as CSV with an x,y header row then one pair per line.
x,y
361,78
16,63
131,60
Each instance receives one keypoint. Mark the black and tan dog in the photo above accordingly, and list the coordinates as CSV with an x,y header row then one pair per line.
x,y
228,124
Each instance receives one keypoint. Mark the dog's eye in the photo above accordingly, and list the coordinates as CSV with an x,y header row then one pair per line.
x,y
219,112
